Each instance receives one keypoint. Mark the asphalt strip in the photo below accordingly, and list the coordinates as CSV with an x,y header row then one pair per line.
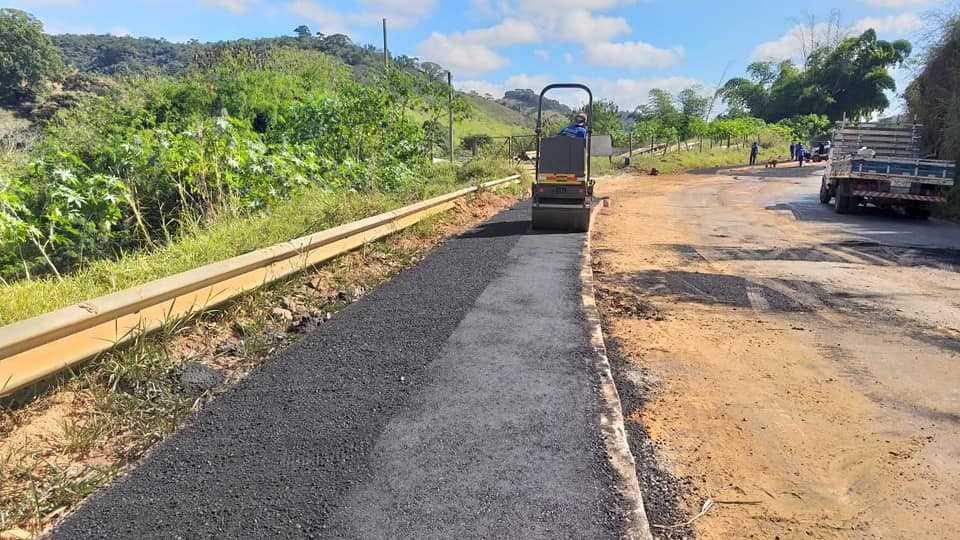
x,y
460,399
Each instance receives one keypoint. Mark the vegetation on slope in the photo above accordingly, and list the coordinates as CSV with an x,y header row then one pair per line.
x,y
241,131
933,98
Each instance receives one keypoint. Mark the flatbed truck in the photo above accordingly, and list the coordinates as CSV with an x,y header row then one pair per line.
x,y
883,165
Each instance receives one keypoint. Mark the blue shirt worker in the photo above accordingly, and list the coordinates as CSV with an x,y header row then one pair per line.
x,y
754,150
578,129
800,153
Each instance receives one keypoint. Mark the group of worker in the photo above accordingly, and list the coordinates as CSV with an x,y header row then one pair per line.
x,y
797,152
578,129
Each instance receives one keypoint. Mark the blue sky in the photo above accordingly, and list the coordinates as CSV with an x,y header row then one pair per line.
x,y
621,47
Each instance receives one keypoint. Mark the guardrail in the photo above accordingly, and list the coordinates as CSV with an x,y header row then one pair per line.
x,y
34,349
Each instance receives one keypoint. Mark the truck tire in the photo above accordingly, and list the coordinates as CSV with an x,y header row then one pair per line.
x,y
824,191
917,212
843,204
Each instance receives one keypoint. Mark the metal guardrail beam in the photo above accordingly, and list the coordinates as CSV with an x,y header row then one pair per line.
x,y
34,349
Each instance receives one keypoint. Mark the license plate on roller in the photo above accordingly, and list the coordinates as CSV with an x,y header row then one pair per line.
x,y
561,178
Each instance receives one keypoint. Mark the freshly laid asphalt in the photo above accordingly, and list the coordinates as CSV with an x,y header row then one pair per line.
x,y
457,400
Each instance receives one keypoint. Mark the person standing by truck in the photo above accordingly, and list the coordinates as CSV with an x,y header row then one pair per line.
x,y
800,153
754,150
793,151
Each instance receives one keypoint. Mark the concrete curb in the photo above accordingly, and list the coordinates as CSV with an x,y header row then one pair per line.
x,y
636,526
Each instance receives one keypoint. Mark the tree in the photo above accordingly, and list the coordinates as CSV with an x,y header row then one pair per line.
x,y
933,97
807,127
669,117
27,57
303,31
606,118
853,77
849,76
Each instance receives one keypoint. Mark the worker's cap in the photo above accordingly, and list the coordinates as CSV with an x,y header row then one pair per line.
x,y
581,118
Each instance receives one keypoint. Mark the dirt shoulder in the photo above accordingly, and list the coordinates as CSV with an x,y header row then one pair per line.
x,y
798,382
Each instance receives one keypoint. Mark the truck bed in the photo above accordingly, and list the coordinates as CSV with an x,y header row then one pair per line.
x,y
925,171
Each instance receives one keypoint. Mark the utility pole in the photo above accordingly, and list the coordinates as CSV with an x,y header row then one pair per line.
x,y
450,113
386,54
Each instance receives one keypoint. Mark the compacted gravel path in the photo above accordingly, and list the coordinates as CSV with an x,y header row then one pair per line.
x,y
454,401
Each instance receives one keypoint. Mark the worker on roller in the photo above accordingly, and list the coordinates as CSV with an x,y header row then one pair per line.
x,y
578,129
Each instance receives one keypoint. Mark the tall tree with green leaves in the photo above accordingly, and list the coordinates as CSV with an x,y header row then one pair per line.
x,y
606,118
303,31
850,78
27,57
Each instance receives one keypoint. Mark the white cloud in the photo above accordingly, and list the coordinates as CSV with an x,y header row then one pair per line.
x,y
532,21
568,58
582,26
399,13
50,3
900,3
460,56
508,32
480,87
473,51
408,8
237,7
632,54
787,46
326,20
629,93
795,42
542,54
897,25
626,93
553,6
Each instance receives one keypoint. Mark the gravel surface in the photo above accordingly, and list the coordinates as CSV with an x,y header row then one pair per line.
x,y
454,401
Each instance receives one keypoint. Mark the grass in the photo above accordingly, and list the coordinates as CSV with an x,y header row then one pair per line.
x,y
311,211
493,119
676,162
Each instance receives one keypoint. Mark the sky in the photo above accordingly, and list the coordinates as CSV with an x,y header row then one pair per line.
x,y
621,48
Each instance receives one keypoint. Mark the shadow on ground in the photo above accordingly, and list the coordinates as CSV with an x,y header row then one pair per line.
x,y
879,254
722,289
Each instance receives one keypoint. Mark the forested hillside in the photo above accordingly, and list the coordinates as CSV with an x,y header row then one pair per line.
x,y
139,144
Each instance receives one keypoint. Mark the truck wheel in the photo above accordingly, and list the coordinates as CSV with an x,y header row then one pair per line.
x,y
843,204
824,192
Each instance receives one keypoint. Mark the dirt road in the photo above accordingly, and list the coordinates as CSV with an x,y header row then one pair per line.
x,y
797,367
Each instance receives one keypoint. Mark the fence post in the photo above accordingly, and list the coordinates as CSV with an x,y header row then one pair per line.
x,y
630,145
